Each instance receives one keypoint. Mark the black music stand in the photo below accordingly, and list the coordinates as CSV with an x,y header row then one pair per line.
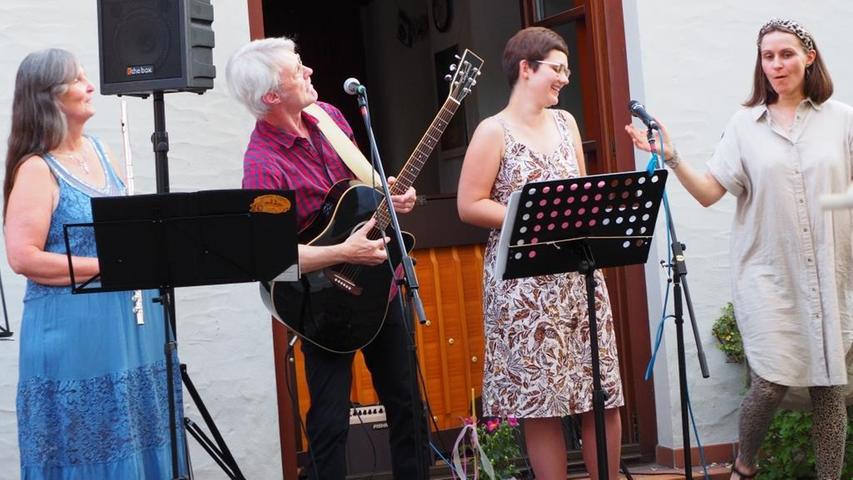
x,y
581,224
173,240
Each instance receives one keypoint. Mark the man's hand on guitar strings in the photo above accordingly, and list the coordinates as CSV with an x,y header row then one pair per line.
x,y
403,203
361,250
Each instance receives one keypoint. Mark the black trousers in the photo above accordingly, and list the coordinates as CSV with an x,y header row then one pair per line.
x,y
329,378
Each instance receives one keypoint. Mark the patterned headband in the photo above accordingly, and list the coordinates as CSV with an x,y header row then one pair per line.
x,y
788,26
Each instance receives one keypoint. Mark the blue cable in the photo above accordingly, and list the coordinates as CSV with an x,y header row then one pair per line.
x,y
650,168
449,465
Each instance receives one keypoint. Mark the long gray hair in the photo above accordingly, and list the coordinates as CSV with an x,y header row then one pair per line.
x,y
38,122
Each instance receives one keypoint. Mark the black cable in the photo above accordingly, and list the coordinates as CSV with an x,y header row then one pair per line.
x,y
295,405
410,336
369,438
422,383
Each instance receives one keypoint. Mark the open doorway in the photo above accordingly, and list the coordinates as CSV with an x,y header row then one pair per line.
x,y
399,50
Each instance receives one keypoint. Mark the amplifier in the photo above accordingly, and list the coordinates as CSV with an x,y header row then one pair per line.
x,y
368,450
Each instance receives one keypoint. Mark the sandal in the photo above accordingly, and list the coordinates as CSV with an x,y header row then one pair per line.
x,y
742,475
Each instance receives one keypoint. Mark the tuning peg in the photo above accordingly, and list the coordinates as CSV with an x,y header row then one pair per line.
x,y
453,67
473,83
447,78
457,57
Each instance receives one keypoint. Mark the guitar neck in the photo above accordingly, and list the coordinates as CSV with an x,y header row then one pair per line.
x,y
419,156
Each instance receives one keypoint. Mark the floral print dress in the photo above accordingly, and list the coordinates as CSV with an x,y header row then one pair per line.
x,y
537,354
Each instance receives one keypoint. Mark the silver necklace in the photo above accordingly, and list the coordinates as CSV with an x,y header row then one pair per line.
x,y
80,159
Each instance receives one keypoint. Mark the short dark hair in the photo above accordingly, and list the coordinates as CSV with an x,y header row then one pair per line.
x,y
531,44
818,84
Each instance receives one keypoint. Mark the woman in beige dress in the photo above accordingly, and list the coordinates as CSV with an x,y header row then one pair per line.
x,y
537,359
790,259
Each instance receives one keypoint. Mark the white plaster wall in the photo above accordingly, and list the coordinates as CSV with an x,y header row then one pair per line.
x,y
691,64
223,331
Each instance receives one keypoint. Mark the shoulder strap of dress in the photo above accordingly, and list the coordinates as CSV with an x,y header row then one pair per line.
x,y
562,121
112,176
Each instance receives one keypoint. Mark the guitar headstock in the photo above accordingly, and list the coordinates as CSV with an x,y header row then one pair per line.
x,y
464,75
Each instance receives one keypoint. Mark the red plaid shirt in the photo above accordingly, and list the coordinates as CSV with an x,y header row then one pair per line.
x,y
276,159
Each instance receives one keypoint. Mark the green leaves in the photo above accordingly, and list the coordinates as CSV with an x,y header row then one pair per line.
x,y
728,335
788,450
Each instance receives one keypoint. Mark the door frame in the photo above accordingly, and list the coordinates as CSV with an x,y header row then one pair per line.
x,y
604,74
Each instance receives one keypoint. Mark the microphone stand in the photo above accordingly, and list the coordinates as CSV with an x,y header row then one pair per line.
x,y
679,284
409,280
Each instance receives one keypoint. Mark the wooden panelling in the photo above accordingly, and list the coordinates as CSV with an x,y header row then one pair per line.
x,y
450,344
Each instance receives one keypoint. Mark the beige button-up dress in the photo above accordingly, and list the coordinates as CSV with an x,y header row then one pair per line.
x,y
791,259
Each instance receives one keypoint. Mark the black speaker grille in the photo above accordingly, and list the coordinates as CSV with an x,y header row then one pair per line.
x,y
141,40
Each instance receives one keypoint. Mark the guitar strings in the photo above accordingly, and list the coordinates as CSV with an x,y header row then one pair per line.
x,y
410,171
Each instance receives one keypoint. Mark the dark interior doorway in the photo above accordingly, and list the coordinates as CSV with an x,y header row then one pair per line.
x,y
328,37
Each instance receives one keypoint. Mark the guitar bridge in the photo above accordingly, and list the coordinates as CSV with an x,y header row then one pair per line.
x,y
342,282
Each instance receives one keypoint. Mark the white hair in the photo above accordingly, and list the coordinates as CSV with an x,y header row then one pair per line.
x,y
253,70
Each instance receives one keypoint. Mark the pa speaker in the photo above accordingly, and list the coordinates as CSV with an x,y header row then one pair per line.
x,y
155,45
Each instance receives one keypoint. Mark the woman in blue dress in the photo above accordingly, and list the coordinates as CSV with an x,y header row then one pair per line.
x,y
92,397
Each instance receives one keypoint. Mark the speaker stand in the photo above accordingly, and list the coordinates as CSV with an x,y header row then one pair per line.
x,y
219,451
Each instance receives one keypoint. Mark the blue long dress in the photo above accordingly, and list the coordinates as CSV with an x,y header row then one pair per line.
x,y
92,400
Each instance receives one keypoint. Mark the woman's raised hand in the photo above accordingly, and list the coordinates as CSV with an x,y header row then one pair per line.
x,y
640,139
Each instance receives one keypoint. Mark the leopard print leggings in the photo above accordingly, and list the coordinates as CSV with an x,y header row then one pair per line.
x,y
829,427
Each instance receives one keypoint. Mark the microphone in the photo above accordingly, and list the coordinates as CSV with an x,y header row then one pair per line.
x,y
353,87
638,110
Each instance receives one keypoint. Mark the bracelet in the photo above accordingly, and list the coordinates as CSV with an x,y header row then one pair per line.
x,y
673,161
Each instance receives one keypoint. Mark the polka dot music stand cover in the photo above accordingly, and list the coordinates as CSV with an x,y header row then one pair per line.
x,y
552,226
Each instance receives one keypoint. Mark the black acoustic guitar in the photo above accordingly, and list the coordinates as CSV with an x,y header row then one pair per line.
x,y
342,308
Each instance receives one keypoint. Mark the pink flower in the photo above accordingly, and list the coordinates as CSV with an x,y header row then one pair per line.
x,y
512,421
468,420
492,425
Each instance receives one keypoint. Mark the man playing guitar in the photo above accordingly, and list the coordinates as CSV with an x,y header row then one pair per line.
x,y
287,150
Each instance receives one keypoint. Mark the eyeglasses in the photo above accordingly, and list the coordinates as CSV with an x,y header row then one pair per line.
x,y
299,67
559,68
298,73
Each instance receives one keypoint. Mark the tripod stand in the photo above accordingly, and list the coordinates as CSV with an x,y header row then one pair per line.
x,y
681,292
581,224
5,332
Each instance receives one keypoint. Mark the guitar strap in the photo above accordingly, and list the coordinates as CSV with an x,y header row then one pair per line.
x,y
349,153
